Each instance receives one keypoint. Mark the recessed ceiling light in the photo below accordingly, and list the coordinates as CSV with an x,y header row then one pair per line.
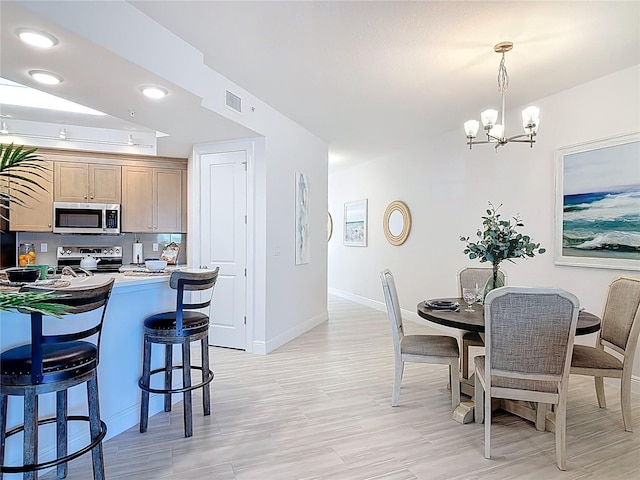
x,y
154,92
45,77
37,38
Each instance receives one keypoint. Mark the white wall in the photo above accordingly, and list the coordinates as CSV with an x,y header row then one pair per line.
x,y
447,187
288,299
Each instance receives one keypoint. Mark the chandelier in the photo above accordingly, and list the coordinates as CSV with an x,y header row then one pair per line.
x,y
496,132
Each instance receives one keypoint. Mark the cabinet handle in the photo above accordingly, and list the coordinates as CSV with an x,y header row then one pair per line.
x,y
149,227
91,197
85,197
49,225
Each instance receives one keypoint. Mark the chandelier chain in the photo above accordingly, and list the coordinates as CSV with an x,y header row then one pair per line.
x,y
503,77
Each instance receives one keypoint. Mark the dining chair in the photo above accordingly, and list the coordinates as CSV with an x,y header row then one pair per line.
x,y
618,332
529,334
472,277
437,349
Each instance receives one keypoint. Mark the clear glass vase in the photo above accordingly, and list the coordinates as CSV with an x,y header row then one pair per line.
x,y
494,281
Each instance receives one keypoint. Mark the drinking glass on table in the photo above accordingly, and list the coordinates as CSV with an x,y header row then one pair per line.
x,y
469,295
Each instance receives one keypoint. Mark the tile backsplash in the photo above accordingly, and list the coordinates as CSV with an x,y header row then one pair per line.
x,y
126,240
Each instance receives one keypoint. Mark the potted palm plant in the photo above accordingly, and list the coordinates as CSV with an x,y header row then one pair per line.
x,y
20,168
498,240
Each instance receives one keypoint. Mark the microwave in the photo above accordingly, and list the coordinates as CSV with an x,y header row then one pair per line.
x,y
97,218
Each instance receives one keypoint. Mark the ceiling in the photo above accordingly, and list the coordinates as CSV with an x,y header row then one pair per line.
x,y
366,77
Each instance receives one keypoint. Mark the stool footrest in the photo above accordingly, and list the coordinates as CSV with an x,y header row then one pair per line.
x,y
60,460
147,388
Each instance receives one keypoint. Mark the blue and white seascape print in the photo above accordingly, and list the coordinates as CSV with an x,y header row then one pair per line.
x,y
601,203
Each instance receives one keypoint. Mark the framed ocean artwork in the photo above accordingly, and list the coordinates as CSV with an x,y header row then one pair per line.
x,y
355,223
597,220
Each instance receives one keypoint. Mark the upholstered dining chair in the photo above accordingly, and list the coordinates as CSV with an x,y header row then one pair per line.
x,y
472,277
619,333
437,349
529,334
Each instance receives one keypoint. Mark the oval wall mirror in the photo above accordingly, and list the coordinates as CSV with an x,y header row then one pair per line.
x,y
329,226
397,223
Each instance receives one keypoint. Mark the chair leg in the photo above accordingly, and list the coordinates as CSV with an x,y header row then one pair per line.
x,y
30,448
454,377
602,401
625,401
168,375
206,390
94,426
4,399
146,378
61,430
487,423
186,382
397,382
561,429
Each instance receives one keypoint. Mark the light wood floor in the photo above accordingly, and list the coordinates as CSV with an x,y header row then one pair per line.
x,y
319,408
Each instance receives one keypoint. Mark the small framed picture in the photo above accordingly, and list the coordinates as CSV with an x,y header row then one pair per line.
x,y
355,223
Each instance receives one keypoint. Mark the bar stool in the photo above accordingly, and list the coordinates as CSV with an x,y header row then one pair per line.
x,y
180,327
55,363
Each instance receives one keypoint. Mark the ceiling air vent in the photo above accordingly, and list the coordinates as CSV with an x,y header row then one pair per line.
x,y
234,102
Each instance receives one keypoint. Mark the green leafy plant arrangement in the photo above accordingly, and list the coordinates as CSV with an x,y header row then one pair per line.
x,y
499,240
34,302
20,168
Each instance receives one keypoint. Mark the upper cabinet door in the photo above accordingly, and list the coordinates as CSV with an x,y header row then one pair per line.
x,y
71,182
168,201
36,212
105,183
92,182
137,199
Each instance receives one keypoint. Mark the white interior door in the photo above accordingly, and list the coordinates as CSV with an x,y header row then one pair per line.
x,y
223,242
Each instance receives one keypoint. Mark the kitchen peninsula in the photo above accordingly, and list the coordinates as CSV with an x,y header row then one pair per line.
x,y
133,298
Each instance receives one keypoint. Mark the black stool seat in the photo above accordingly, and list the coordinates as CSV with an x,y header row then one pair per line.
x,y
60,361
180,327
55,363
192,322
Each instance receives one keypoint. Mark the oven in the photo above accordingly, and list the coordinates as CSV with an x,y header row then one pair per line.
x,y
110,258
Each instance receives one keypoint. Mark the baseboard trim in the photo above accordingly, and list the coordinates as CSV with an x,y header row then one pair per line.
x,y
285,337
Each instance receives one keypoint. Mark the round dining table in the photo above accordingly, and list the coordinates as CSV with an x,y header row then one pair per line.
x,y
474,321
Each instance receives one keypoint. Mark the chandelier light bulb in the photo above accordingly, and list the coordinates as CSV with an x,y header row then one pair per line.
x,y
489,118
531,119
471,128
497,132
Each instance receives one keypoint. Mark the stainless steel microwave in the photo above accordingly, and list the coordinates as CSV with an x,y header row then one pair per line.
x,y
98,218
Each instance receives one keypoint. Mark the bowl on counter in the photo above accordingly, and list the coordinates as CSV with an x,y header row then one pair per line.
x,y
155,265
22,274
